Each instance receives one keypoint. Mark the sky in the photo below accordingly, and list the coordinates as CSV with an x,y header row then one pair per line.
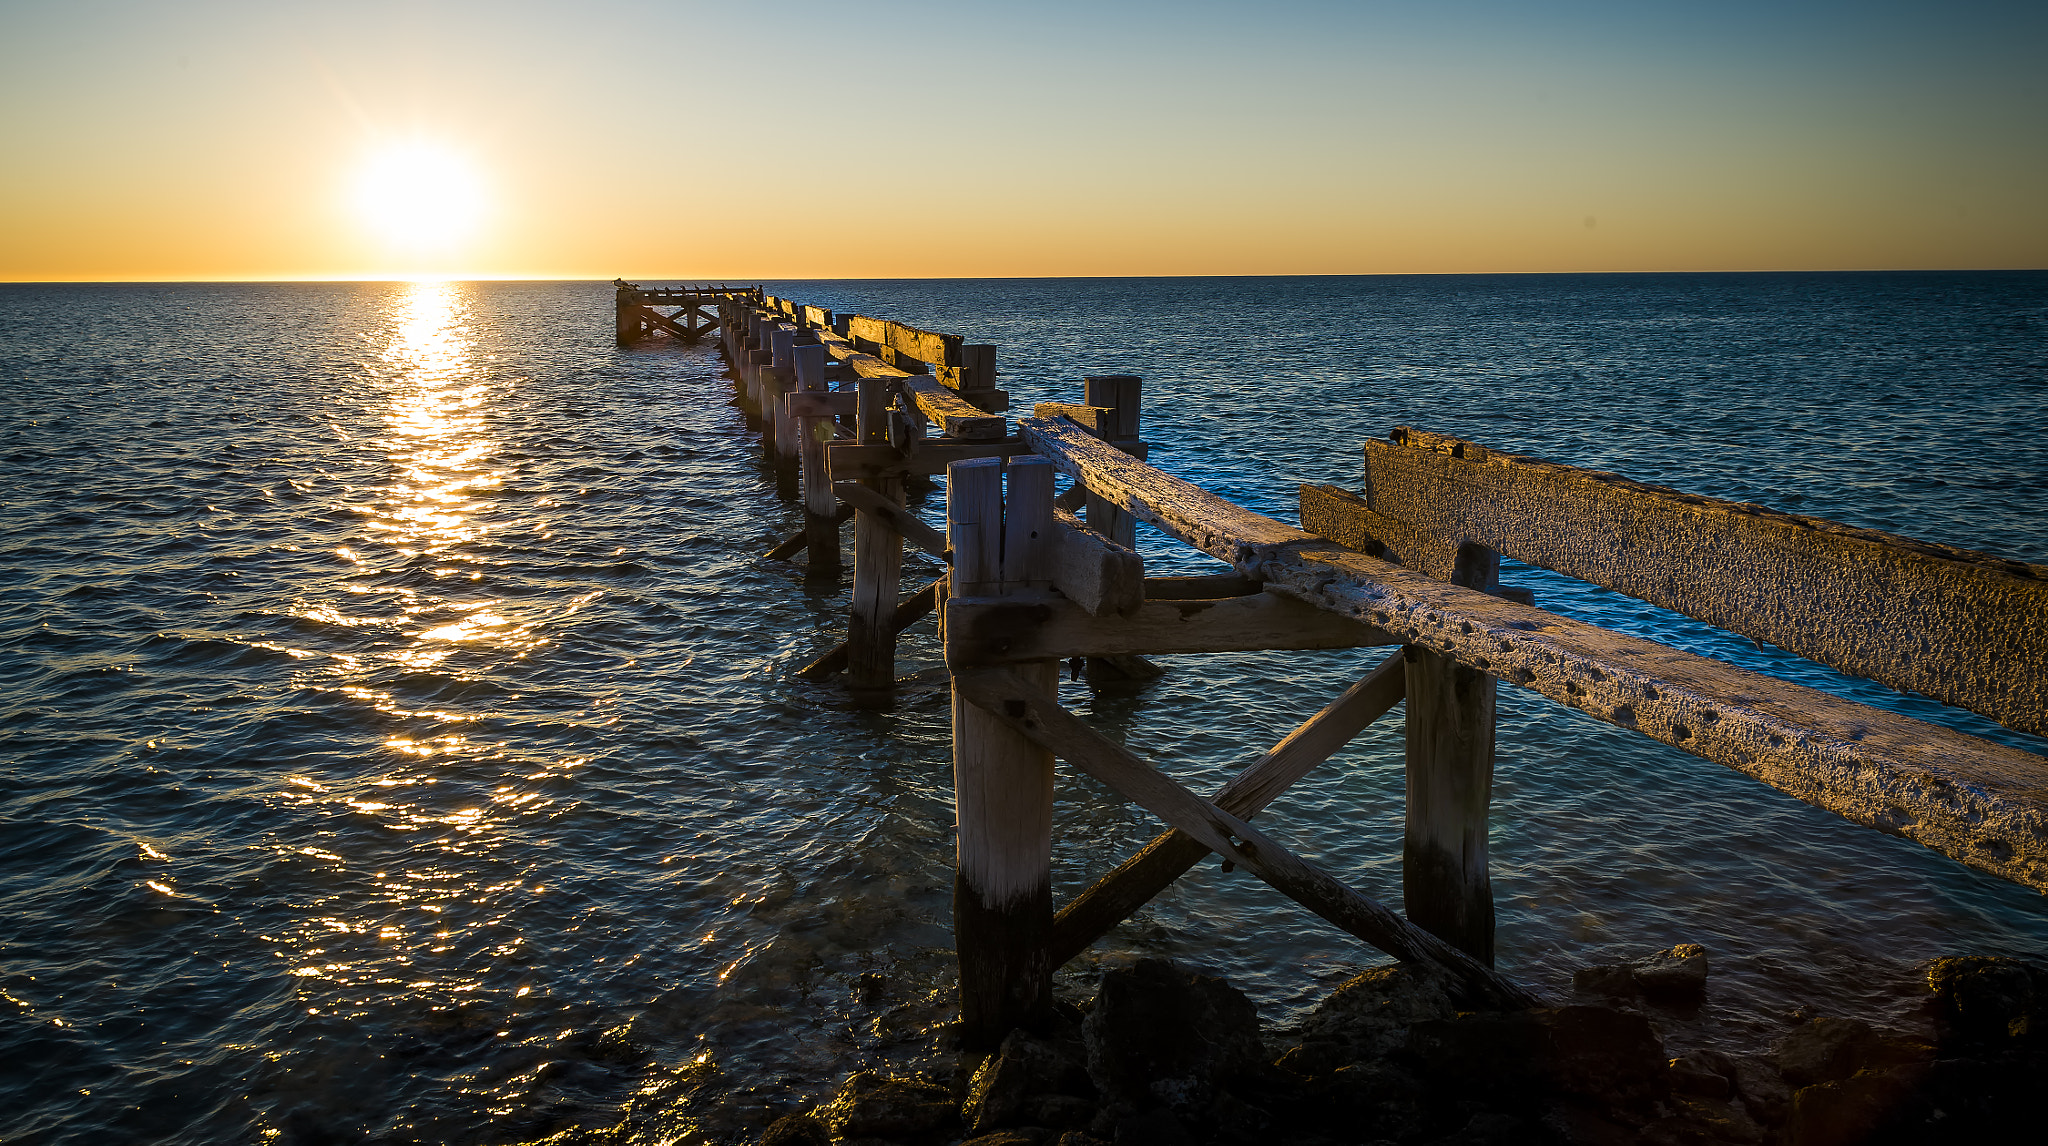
x,y
740,141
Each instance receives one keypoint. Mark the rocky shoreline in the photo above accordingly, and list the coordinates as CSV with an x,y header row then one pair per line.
x,y
1162,1055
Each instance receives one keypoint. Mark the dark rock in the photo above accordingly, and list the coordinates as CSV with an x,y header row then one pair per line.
x,y
877,1105
1852,1111
1079,1138
1025,1136
1368,1099
1762,1089
1707,1073
1060,1111
1677,973
1368,1016
1488,1128
1700,1121
1026,1067
1153,1128
871,988
796,1130
1830,1050
1608,981
1594,1052
1161,1035
1982,1002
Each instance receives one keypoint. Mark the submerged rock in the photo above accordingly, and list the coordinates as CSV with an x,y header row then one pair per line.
x,y
1162,1036
1983,1002
1831,1050
880,1106
1368,1016
1677,973
1597,1053
796,1130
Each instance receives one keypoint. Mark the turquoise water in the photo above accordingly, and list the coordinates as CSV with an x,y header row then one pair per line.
x,y
398,724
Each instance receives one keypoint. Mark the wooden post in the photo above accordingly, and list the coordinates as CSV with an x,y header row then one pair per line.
x,y
821,527
877,562
1002,785
781,380
1119,392
1450,722
626,320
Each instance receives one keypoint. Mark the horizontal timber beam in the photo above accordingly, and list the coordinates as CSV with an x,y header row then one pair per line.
x,y
1977,802
1963,627
894,516
1004,630
852,461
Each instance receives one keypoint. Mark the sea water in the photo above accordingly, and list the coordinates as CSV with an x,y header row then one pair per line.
x,y
400,745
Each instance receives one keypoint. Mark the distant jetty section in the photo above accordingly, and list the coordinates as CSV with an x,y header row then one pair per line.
x,y
850,407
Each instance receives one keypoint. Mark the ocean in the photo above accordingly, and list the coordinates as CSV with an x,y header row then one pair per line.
x,y
399,740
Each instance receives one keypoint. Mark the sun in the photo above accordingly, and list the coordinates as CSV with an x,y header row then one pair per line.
x,y
421,197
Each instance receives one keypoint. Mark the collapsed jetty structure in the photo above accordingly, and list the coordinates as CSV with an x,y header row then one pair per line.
x,y
851,407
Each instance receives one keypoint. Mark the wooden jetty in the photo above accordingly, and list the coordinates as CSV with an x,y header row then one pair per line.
x,y
851,407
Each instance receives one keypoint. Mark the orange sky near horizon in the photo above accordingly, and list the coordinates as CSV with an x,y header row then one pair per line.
x,y
231,140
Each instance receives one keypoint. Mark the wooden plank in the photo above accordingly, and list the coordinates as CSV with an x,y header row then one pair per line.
x,y
1092,571
989,630
819,504
909,611
1030,531
863,461
1136,881
1979,803
924,346
1101,421
1966,628
817,316
821,404
1200,588
1027,708
894,516
953,413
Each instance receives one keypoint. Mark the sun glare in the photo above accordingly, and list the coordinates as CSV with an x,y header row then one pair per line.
x,y
420,197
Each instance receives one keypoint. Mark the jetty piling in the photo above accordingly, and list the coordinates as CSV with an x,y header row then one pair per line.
x,y
1410,561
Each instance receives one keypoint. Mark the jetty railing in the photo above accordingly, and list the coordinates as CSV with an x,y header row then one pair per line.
x,y
1410,561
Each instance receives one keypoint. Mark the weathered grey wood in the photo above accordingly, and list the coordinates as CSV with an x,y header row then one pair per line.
x,y
1445,886
919,345
974,526
877,559
952,412
1980,803
893,515
1343,517
1966,628
1119,394
863,461
976,371
1091,570
1100,421
821,405
1028,708
1136,881
1030,534
909,611
821,527
1003,792
987,630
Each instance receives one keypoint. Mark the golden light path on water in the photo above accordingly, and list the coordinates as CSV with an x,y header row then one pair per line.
x,y
436,920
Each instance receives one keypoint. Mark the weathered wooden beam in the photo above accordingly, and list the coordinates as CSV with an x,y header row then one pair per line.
x,y
1003,630
1092,571
920,345
909,611
1205,588
1136,881
819,505
1979,803
1963,627
894,515
952,412
822,404
1003,799
1027,708
864,461
1120,395
1100,421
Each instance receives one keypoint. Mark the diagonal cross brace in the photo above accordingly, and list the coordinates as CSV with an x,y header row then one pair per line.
x,y
1136,881
1039,717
